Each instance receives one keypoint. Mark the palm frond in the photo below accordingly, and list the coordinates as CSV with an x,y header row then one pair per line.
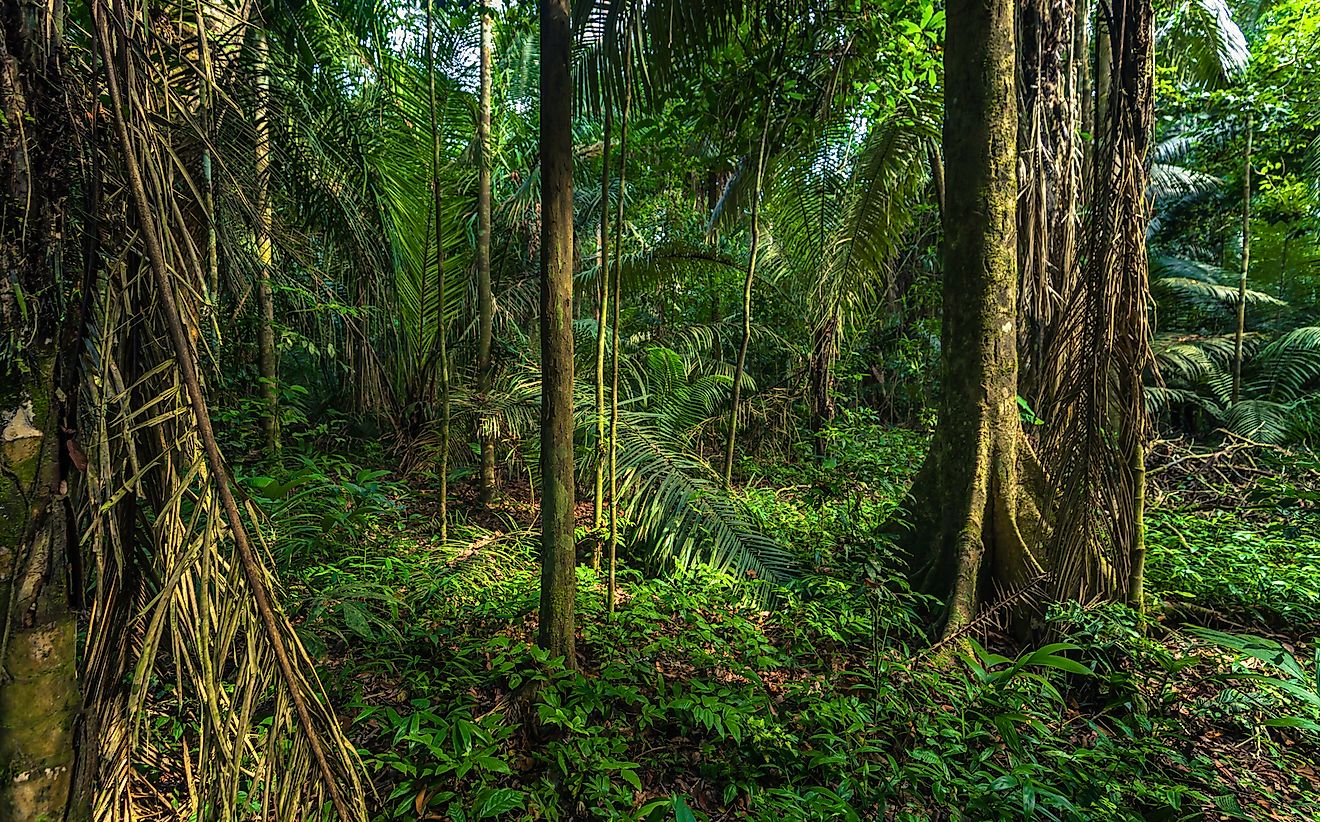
x,y
1200,39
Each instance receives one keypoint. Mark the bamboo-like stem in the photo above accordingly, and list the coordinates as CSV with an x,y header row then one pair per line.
x,y
485,296
182,346
746,304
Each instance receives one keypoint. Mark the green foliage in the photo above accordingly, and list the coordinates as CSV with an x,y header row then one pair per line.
x,y
817,707
1250,571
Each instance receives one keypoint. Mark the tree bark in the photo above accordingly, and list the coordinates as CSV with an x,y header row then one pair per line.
x,y
602,311
39,697
39,691
558,581
270,419
967,493
485,297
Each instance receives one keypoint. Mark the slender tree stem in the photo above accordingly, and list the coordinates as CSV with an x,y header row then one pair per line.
x,y
746,303
612,588
1240,332
270,421
208,176
442,328
485,297
602,311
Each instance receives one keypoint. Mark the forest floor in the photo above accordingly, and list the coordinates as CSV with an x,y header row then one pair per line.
x,y
697,700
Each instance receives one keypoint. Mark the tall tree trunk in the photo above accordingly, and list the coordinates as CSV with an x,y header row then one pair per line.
x,y
746,340
1241,329
602,313
39,693
969,488
558,581
442,329
617,269
270,392
485,297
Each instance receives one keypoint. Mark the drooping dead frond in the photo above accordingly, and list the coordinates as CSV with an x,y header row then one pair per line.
x,y
185,623
1100,346
1050,177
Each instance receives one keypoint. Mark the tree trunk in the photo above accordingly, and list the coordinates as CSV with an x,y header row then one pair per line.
x,y
485,298
558,581
442,329
1246,262
969,488
39,698
602,312
270,419
617,268
743,344
39,693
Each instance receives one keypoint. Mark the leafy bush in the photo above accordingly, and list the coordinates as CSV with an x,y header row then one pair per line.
x,y
1267,572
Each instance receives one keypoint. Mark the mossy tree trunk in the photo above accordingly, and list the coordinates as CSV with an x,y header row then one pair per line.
x,y
558,548
39,694
485,296
968,501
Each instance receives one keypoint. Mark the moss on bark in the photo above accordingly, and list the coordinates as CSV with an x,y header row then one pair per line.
x,y
970,531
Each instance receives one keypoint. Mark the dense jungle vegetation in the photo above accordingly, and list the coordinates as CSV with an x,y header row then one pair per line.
x,y
660,410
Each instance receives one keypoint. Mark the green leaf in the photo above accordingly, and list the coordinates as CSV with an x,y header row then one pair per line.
x,y
493,802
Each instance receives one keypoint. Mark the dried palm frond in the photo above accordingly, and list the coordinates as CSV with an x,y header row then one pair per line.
x,y
1100,346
